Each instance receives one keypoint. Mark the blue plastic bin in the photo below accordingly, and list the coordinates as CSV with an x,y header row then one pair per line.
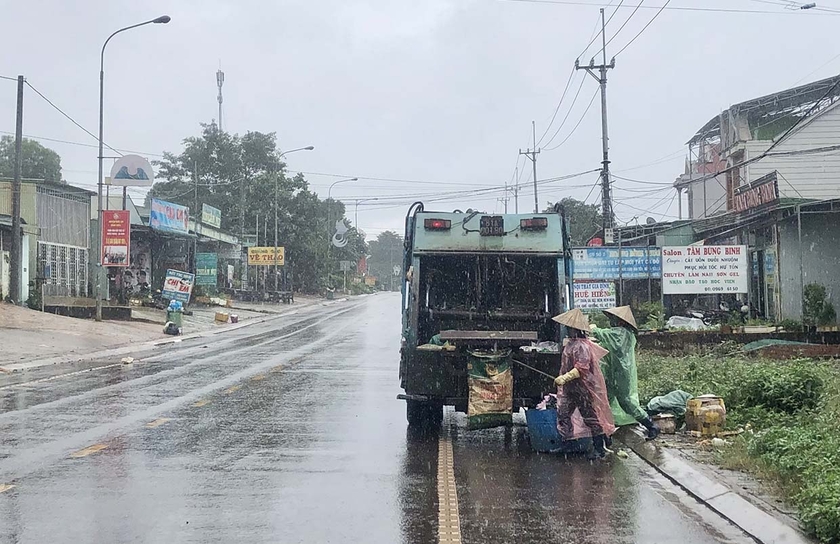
x,y
544,437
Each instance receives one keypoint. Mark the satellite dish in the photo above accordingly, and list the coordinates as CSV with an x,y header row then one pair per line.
x,y
650,221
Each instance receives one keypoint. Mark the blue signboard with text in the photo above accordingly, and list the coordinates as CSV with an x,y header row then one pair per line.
x,y
603,263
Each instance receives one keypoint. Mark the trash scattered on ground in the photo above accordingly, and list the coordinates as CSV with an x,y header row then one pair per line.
x,y
127,360
719,442
222,317
622,454
672,403
687,323
667,423
767,342
705,414
542,347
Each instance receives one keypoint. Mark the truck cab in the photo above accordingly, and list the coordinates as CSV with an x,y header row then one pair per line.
x,y
477,280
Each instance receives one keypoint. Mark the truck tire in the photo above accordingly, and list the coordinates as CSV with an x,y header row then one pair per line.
x,y
423,414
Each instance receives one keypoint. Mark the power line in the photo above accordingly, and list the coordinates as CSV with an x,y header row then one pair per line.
x,y
9,78
568,113
617,32
672,8
658,13
591,101
81,144
557,109
660,183
62,112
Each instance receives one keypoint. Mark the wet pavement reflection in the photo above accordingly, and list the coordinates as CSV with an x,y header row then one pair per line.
x,y
289,431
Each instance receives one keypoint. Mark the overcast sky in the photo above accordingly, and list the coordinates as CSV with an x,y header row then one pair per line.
x,y
442,92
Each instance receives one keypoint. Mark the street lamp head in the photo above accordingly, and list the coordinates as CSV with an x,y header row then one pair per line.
x,y
163,19
353,179
309,147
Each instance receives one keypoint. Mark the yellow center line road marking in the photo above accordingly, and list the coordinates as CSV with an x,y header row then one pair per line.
x,y
202,402
449,525
88,450
157,423
258,377
232,389
6,487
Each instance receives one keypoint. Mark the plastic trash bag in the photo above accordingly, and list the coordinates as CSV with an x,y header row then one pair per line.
x,y
672,403
619,369
688,323
490,383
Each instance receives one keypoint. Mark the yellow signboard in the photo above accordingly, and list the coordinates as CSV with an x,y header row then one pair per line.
x,y
264,256
370,281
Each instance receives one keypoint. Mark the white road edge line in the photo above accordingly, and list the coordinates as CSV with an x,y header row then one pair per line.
x,y
449,525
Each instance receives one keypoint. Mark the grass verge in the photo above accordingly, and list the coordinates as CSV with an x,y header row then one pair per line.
x,y
791,410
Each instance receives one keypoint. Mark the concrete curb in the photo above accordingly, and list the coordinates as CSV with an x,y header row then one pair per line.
x,y
757,523
131,348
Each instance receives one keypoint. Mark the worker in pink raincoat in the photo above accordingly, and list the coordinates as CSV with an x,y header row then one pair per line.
x,y
581,385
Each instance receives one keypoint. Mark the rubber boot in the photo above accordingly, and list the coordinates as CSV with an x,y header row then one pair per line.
x,y
598,446
652,429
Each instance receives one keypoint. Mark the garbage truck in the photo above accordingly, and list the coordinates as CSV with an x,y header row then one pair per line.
x,y
472,281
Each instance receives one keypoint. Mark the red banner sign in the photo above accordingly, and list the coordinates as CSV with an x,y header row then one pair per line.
x,y
116,236
761,192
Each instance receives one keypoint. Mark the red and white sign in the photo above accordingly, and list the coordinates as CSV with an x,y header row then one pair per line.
x,y
116,238
705,269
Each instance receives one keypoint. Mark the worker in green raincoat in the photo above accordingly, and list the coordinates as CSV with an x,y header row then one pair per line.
x,y
619,369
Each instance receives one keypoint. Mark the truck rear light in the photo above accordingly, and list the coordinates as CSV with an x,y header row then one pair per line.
x,y
535,223
437,224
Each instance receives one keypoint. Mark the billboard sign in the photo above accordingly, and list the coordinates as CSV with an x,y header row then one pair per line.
x,y
760,193
169,217
178,285
132,171
264,256
206,269
211,216
594,295
602,263
116,236
705,269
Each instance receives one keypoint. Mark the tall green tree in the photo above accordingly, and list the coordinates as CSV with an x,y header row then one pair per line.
x,y
231,170
584,219
39,162
386,252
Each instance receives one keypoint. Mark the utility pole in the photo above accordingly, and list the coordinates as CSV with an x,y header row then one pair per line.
x,y
17,249
532,154
516,191
606,199
220,80
196,217
276,270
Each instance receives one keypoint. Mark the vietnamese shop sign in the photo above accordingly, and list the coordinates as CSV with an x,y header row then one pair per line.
x,y
603,263
206,268
761,192
169,217
116,234
705,269
594,295
211,216
178,285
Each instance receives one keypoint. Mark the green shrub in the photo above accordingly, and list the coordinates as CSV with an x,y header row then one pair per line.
x,y
787,388
650,315
791,325
816,309
599,320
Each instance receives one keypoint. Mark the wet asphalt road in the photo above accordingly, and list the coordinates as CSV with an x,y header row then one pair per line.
x,y
289,431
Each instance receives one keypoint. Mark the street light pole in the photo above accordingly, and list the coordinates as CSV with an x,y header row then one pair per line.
x,y
356,213
276,178
163,19
329,216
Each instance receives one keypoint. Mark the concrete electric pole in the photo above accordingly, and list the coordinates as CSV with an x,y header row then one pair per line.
x,y
601,76
532,154
16,257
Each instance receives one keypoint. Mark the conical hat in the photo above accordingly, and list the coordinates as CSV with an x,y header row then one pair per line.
x,y
573,318
625,314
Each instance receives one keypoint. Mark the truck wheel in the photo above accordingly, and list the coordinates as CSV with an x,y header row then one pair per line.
x,y
422,414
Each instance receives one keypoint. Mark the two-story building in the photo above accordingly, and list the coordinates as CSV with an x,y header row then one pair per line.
x,y
766,173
